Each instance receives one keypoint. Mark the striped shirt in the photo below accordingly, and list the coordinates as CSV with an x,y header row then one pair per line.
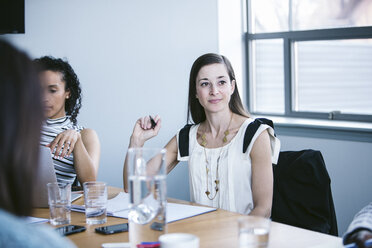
x,y
362,220
64,167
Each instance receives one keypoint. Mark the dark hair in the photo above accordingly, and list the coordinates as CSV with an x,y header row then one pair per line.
x,y
73,103
195,109
21,114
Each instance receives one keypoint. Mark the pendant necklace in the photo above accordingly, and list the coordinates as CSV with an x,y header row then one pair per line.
x,y
217,180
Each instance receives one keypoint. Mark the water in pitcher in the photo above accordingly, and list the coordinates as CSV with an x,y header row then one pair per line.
x,y
148,203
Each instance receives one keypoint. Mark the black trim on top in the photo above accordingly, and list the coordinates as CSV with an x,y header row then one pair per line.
x,y
183,139
252,129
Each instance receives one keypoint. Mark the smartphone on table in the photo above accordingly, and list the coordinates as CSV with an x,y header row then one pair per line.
x,y
112,229
70,229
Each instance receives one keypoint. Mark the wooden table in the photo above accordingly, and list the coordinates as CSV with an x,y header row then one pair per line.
x,y
215,229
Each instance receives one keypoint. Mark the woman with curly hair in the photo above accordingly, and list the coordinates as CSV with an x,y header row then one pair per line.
x,y
75,150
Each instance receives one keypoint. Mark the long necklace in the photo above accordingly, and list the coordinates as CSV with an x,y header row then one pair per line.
x,y
217,180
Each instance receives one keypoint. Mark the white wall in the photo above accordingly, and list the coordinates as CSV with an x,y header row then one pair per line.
x,y
231,38
133,59
349,167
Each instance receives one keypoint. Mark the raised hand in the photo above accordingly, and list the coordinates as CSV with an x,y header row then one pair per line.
x,y
144,130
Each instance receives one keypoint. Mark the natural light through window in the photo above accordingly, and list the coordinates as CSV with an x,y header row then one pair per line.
x,y
310,58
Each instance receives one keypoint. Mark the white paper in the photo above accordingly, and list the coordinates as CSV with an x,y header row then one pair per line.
x,y
118,203
35,220
119,207
177,211
75,196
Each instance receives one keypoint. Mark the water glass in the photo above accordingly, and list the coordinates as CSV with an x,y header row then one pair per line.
x,y
95,200
59,200
147,187
253,232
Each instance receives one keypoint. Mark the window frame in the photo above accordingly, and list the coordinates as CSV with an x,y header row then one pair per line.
x,y
289,38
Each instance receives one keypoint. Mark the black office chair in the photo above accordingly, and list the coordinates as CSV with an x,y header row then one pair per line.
x,y
302,192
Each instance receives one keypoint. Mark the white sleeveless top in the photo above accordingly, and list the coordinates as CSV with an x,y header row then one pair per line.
x,y
235,192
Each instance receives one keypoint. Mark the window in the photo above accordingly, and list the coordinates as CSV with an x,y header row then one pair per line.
x,y
267,76
310,58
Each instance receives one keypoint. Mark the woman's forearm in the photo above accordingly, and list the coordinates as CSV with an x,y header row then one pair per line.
x,y
86,157
133,143
262,211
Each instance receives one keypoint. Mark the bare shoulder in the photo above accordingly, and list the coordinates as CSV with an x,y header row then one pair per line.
x,y
91,143
262,143
88,133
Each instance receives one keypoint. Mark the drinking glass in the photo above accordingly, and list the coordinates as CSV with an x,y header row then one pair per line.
x,y
253,232
147,187
59,200
95,200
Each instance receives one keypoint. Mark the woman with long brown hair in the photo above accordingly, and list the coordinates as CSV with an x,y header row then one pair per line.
x,y
220,174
